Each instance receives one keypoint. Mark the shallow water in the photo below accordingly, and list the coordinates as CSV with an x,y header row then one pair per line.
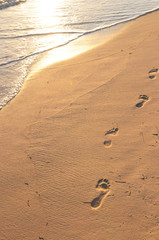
x,y
29,29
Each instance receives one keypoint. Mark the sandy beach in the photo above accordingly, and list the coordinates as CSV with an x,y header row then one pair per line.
x,y
79,145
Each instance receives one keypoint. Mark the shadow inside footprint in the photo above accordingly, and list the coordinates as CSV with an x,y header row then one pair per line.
x,y
103,186
96,202
99,181
152,76
144,98
107,143
152,73
153,70
112,131
140,104
103,183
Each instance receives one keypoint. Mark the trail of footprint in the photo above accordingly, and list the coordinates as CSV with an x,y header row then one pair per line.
x,y
144,98
152,73
113,131
103,186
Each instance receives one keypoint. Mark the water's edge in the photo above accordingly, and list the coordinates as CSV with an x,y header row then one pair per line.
x,y
32,68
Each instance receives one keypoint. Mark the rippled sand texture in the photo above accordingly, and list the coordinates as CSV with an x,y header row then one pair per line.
x,y
59,178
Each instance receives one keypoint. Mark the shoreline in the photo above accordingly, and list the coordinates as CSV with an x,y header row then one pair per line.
x,y
67,51
82,44
77,47
79,144
44,60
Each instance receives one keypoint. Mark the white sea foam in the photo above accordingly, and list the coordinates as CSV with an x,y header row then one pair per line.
x,y
30,29
9,3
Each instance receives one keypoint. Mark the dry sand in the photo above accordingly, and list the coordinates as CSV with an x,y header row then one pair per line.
x,y
79,146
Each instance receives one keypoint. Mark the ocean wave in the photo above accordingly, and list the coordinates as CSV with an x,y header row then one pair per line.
x,y
80,34
39,34
121,21
9,3
83,23
21,58
25,35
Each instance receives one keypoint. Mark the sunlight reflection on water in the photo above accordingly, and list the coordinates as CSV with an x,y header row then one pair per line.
x,y
48,11
38,28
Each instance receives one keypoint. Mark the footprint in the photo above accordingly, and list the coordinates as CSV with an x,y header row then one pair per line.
x,y
96,202
113,131
140,104
152,73
103,186
108,143
103,183
144,98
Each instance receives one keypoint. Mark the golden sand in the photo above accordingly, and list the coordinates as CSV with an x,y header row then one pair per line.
x,y
55,165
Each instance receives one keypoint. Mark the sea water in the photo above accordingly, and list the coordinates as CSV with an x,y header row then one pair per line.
x,y
30,28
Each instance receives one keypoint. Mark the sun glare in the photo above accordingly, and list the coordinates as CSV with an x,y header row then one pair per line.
x,y
48,11
47,7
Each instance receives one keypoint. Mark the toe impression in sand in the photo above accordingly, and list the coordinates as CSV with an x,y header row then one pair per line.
x,y
144,98
112,131
103,186
152,73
